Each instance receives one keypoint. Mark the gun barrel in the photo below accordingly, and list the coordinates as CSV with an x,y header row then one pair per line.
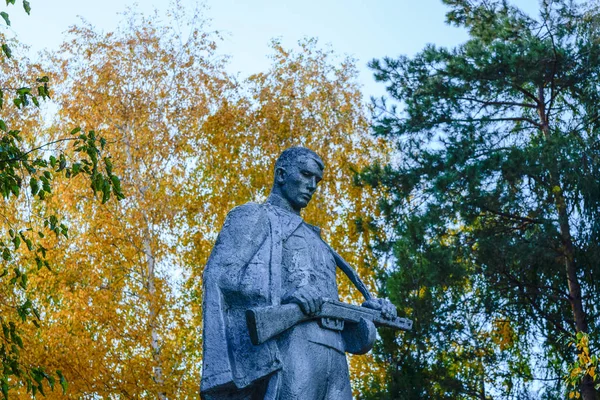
x,y
352,313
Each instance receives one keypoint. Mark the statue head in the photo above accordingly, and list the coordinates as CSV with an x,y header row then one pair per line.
x,y
298,170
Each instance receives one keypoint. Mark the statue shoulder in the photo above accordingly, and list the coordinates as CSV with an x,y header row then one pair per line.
x,y
249,213
246,226
245,230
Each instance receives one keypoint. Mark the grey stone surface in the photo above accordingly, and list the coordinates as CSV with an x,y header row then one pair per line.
x,y
273,325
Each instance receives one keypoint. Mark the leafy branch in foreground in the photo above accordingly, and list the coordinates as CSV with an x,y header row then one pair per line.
x,y
28,168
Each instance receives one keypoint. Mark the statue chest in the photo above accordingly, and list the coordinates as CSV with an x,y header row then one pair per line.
x,y
306,260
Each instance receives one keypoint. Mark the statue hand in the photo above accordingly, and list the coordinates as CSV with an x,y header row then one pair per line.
x,y
308,298
388,310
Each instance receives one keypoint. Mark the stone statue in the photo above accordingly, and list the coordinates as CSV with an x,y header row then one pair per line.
x,y
273,328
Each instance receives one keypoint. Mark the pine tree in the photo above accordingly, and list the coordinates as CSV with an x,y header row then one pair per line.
x,y
493,203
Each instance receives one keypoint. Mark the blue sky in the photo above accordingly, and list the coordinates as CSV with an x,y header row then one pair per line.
x,y
363,29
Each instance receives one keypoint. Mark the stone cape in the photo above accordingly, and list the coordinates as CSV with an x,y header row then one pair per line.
x,y
243,271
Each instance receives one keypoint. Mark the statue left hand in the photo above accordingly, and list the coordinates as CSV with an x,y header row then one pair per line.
x,y
388,310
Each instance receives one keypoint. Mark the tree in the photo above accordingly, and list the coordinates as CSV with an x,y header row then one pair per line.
x,y
123,305
29,162
116,323
494,202
308,97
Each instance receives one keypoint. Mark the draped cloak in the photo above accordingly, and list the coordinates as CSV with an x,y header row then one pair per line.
x,y
243,271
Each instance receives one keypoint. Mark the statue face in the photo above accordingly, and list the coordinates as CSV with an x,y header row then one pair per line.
x,y
299,181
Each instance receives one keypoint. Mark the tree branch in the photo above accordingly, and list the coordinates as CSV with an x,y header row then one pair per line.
x,y
521,119
527,94
512,216
499,103
37,148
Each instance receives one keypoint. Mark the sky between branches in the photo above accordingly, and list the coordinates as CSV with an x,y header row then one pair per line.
x,y
363,29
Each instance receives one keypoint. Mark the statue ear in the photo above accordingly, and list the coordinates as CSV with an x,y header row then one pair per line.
x,y
280,174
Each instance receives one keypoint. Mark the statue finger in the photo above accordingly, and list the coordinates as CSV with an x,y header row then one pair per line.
x,y
308,300
318,297
385,309
390,310
318,304
312,304
303,303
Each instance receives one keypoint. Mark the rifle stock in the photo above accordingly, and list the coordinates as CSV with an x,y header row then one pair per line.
x,y
265,323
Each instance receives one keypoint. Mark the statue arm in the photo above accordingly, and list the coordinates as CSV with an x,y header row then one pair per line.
x,y
384,305
352,275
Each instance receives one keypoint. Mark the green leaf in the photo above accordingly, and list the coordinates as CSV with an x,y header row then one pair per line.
x,y
23,91
17,339
10,2
5,383
6,50
3,125
64,230
63,382
27,7
5,17
76,130
76,168
63,163
51,380
36,313
35,187
43,91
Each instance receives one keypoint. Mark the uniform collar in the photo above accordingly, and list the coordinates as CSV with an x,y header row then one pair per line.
x,y
278,201
290,219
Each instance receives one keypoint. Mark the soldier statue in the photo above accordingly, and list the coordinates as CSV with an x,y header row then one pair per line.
x,y
273,326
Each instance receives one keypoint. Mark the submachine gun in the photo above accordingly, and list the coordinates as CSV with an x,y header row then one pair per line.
x,y
265,323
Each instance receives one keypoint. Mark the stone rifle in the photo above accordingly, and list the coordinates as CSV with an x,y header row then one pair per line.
x,y
265,323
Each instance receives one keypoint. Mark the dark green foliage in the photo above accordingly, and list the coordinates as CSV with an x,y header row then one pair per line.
x,y
492,203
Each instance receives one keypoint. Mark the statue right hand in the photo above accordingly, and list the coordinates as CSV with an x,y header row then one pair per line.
x,y
308,298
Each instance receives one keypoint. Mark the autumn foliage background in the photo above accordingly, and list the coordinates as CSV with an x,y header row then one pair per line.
x,y
120,302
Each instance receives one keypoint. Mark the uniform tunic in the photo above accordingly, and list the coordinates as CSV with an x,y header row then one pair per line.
x,y
314,362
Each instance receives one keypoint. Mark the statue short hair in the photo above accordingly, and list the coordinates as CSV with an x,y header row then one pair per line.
x,y
293,153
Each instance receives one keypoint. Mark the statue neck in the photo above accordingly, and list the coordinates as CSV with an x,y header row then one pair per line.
x,y
279,201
